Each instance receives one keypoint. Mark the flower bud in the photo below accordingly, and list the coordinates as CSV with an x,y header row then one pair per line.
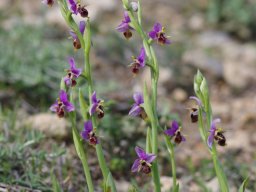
x,y
134,6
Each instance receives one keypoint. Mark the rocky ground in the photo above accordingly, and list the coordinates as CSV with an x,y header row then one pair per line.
x,y
228,63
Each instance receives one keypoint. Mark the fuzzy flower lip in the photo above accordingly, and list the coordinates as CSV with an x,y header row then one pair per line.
x,y
88,134
62,104
48,2
157,33
76,42
136,109
96,106
143,162
174,131
212,131
72,73
139,62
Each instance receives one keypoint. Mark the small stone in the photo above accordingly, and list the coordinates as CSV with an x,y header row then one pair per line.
x,y
49,124
179,95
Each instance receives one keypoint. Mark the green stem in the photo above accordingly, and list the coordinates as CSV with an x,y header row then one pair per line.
x,y
219,171
173,164
84,161
99,150
154,81
80,149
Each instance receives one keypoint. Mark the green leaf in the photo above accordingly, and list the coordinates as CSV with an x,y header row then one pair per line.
x,y
243,185
83,106
76,139
148,141
55,184
176,188
109,185
62,84
147,104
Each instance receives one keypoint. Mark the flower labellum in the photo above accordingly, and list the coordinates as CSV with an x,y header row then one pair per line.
x,y
48,2
143,162
96,106
138,62
62,105
158,34
124,27
88,134
216,134
72,73
174,131
137,110
76,41
194,110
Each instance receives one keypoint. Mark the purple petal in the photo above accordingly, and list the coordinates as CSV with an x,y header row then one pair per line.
x,y
73,34
72,63
175,125
76,71
167,42
67,81
82,27
213,124
85,134
135,166
183,138
141,153
172,130
210,139
199,103
150,158
94,97
63,96
142,57
54,106
93,108
138,98
73,6
126,17
157,27
152,34
69,106
123,27
135,110
88,126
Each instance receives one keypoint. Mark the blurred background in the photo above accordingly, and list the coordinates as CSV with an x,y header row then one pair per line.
x,y
218,37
